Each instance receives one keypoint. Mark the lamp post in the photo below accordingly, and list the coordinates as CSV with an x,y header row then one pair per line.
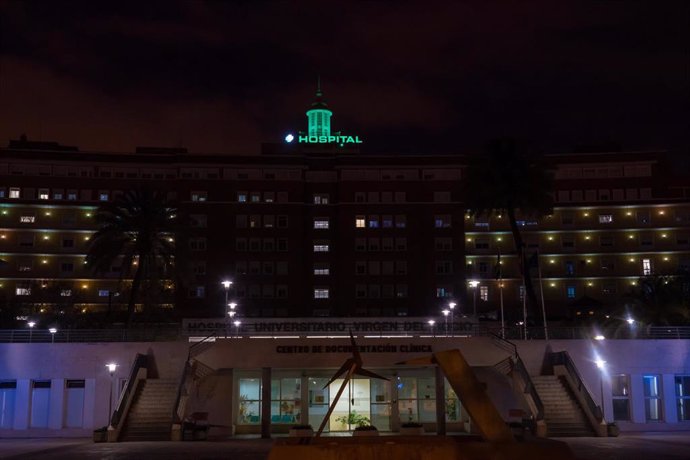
x,y
231,314
431,326
31,325
111,294
451,306
226,285
237,325
445,318
473,285
111,370
52,331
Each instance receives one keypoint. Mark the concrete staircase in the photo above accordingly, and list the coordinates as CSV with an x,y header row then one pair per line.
x,y
150,415
562,413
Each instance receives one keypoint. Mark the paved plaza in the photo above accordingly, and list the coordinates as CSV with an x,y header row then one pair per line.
x,y
646,446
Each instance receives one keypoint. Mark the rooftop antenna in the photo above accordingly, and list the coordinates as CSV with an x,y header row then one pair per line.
x,y
318,86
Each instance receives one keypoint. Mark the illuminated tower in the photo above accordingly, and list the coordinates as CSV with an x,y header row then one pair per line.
x,y
319,115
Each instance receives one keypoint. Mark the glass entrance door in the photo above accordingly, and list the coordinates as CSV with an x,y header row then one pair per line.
x,y
354,404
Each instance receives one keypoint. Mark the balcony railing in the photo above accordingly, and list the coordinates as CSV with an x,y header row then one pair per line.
x,y
171,333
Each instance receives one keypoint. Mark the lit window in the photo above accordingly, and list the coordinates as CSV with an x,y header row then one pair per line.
x,y
15,192
255,197
71,196
484,293
321,198
103,196
682,385
651,385
373,221
241,197
605,218
320,246
387,221
360,222
65,293
199,196
646,267
26,219
321,269
103,293
321,223
570,292
57,195
43,194
23,291
442,292
321,293
442,221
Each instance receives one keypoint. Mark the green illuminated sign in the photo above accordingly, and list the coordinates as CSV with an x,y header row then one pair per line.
x,y
329,139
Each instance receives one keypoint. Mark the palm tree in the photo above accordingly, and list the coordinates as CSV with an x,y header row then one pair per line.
x,y
136,230
658,301
508,180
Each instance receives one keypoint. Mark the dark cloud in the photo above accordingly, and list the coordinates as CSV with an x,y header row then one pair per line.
x,y
408,76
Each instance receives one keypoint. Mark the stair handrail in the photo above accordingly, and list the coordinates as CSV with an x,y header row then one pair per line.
x,y
504,343
140,362
521,370
563,358
186,371
198,344
529,388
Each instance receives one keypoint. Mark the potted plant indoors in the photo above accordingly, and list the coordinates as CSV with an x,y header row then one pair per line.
x,y
365,430
411,429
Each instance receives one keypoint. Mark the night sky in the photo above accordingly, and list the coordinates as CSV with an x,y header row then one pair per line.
x,y
405,76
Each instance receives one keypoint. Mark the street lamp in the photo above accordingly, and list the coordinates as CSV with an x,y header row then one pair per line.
x,y
451,306
31,325
111,370
630,320
237,325
226,284
445,317
473,285
431,326
52,331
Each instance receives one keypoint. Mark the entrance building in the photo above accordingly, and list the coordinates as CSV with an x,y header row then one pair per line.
x,y
304,398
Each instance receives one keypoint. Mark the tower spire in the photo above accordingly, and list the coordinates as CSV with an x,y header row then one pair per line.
x,y
318,115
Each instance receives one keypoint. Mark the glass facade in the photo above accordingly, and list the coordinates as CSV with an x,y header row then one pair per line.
x,y
383,403
652,397
250,402
286,400
417,399
682,385
620,392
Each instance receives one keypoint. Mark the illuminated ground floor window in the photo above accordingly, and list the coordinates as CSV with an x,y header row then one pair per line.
x,y
682,384
383,403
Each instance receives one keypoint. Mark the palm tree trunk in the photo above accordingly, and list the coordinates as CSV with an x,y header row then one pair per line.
x,y
136,284
523,261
